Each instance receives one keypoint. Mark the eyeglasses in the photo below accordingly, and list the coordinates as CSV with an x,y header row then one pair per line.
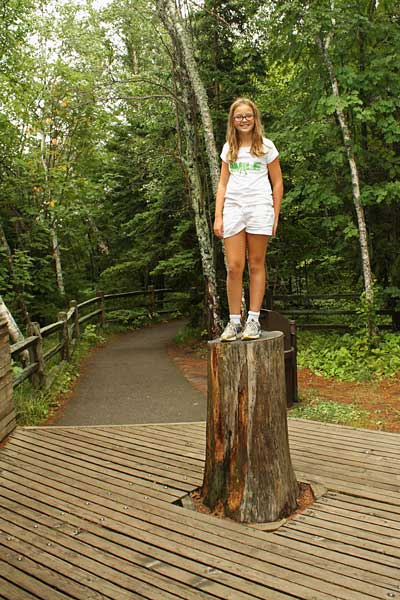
x,y
247,117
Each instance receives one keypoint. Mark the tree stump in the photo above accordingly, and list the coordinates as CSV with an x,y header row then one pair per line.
x,y
248,470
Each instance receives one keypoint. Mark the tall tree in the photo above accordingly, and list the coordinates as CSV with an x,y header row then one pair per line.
x,y
323,45
307,41
193,94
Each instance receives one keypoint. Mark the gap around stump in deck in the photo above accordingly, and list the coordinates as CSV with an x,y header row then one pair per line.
x,y
309,492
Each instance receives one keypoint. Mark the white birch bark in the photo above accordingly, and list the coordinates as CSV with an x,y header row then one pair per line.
x,y
53,227
355,179
194,180
57,259
169,8
203,235
13,329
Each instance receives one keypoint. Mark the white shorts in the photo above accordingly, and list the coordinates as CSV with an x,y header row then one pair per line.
x,y
258,219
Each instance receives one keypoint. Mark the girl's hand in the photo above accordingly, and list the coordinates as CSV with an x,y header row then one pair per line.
x,y
218,227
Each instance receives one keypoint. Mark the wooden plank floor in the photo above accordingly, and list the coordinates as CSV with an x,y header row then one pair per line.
x,y
88,513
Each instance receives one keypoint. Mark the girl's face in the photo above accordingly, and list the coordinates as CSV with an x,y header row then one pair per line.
x,y
243,118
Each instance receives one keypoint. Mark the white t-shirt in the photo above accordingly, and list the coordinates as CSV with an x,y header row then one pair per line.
x,y
248,182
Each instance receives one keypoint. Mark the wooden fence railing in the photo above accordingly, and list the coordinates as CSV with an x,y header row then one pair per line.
x,y
69,326
7,410
319,311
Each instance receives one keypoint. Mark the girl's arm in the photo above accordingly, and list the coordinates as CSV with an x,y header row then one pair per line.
x,y
220,199
275,174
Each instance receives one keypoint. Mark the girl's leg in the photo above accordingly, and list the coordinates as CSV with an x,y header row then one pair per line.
x,y
256,249
235,248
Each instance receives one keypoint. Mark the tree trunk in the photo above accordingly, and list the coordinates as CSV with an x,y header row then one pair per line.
x,y
195,186
355,179
57,259
13,329
53,227
198,88
248,471
202,229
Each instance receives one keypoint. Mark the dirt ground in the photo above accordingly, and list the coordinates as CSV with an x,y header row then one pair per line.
x,y
381,399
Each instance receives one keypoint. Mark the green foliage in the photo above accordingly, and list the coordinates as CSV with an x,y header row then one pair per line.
x,y
349,357
132,318
90,94
190,335
91,336
297,100
328,411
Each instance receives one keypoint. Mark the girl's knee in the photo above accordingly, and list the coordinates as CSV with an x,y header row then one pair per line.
x,y
235,269
256,265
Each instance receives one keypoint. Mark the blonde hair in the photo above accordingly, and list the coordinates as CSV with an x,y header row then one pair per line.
x,y
232,135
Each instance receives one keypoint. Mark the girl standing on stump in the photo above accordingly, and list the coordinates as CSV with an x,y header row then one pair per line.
x,y
247,211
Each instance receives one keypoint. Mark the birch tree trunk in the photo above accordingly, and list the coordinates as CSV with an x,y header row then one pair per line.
x,y
202,231
13,329
194,180
168,7
172,19
57,259
53,227
355,179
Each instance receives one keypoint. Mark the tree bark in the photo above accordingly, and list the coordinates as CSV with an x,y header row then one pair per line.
x,y
5,315
194,179
248,472
57,259
202,232
355,179
53,227
197,86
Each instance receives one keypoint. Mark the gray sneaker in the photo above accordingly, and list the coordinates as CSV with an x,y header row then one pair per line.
x,y
232,332
252,330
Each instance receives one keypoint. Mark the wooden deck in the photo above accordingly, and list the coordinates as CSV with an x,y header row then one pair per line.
x,y
88,513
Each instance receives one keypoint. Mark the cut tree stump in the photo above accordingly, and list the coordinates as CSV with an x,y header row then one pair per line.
x,y
248,472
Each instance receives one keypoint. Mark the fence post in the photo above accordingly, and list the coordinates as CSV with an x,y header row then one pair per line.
x,y
268,299
293,341
102,315
7,410
38,378
152,300
193,295
77,330
64,336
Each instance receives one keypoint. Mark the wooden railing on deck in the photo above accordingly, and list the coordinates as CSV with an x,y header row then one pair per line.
x,y
7,411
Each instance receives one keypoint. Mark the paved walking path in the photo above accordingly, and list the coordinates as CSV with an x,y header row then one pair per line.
x,y
134,380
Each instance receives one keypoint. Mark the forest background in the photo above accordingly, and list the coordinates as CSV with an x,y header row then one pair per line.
x,y
108,147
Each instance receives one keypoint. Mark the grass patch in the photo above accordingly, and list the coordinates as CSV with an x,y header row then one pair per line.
x,y
328,411
193,338
349,357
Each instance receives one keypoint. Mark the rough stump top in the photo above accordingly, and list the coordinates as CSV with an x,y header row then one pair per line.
x,y
265,335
